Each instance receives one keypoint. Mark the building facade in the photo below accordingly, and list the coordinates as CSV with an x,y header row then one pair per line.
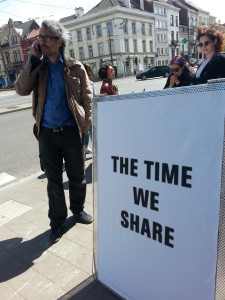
x,y
119,34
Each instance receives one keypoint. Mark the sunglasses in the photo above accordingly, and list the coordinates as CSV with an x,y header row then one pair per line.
x,y
175,70
206,43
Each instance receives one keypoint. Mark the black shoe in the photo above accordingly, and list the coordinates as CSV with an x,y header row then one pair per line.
x,y
83,217
56,234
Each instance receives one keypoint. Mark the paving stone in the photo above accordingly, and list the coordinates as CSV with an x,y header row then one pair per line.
x,y
8,293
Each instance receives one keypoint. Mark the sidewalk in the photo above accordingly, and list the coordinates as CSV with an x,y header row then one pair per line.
x,y
31,267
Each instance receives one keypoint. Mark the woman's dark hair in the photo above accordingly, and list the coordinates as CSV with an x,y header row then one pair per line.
x,y
103,71
213,33
180,61
88,70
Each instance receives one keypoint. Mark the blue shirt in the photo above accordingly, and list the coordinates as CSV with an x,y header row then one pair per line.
x,y
56,110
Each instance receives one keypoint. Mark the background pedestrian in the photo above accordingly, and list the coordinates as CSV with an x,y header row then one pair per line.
x,y
211,43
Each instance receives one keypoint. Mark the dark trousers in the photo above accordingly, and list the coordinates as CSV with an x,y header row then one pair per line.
x,y
54,146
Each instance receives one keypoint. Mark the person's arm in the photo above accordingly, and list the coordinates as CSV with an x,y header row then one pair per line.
x,y
25,81
86,95
167,82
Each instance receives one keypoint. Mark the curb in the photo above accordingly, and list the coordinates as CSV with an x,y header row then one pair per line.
x,y
4,111
21,181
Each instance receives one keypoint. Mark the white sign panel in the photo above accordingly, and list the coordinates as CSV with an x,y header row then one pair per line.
x,y
159,168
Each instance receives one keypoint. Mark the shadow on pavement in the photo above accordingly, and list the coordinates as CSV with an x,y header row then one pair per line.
x,y
90,289
17,256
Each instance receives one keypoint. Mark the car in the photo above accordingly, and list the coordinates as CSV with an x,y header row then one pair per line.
x,y
156,71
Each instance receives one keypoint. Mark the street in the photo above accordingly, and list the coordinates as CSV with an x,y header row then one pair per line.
x,y
19,148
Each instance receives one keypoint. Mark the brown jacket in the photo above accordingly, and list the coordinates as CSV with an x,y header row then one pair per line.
x,y
34,78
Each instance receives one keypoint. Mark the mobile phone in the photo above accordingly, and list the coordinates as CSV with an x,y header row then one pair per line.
x,y
39,48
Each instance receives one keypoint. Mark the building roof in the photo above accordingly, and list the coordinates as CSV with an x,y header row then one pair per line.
x,y
33,34
26,26
135,4
105,4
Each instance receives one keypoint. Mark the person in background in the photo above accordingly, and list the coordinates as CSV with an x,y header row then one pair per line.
x,y
106,73
62,110
211,43
86,137
181,74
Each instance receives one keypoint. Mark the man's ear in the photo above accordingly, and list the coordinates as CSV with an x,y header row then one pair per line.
x,y
60,42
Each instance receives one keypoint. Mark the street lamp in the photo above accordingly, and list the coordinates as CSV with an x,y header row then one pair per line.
x,y
110,47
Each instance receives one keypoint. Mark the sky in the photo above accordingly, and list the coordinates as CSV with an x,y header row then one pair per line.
x,y
39,10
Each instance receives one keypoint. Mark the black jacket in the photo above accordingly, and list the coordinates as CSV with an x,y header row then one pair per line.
x,y
213,70
185,80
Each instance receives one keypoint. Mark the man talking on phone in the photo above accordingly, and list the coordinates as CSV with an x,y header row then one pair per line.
x,y
61,106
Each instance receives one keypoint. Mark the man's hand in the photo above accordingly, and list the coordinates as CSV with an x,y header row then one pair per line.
x,y
35,49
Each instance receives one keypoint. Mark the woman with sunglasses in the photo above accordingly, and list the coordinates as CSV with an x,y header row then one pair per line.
x,y
106,73
181,74
211,43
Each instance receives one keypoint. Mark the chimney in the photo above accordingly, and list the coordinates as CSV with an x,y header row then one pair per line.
x,y
127,3
142,5
79,11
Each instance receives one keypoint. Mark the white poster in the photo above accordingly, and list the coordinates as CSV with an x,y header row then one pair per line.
x,y
159,177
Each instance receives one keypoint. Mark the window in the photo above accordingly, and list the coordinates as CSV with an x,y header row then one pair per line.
x,y
100,49
160,11
125,27
99,31
176,21
70,38
151,46
177,36
14,39
158,50
133,28
126,45
90,51
28,54
16,54
7,56
79,36
144,46
171,20
172,35
81,52
161,24
143,29
109,28
150,29
72,54
135,45
88,30
162,51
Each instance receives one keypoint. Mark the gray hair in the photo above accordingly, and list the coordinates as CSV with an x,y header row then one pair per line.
x,y
58,30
